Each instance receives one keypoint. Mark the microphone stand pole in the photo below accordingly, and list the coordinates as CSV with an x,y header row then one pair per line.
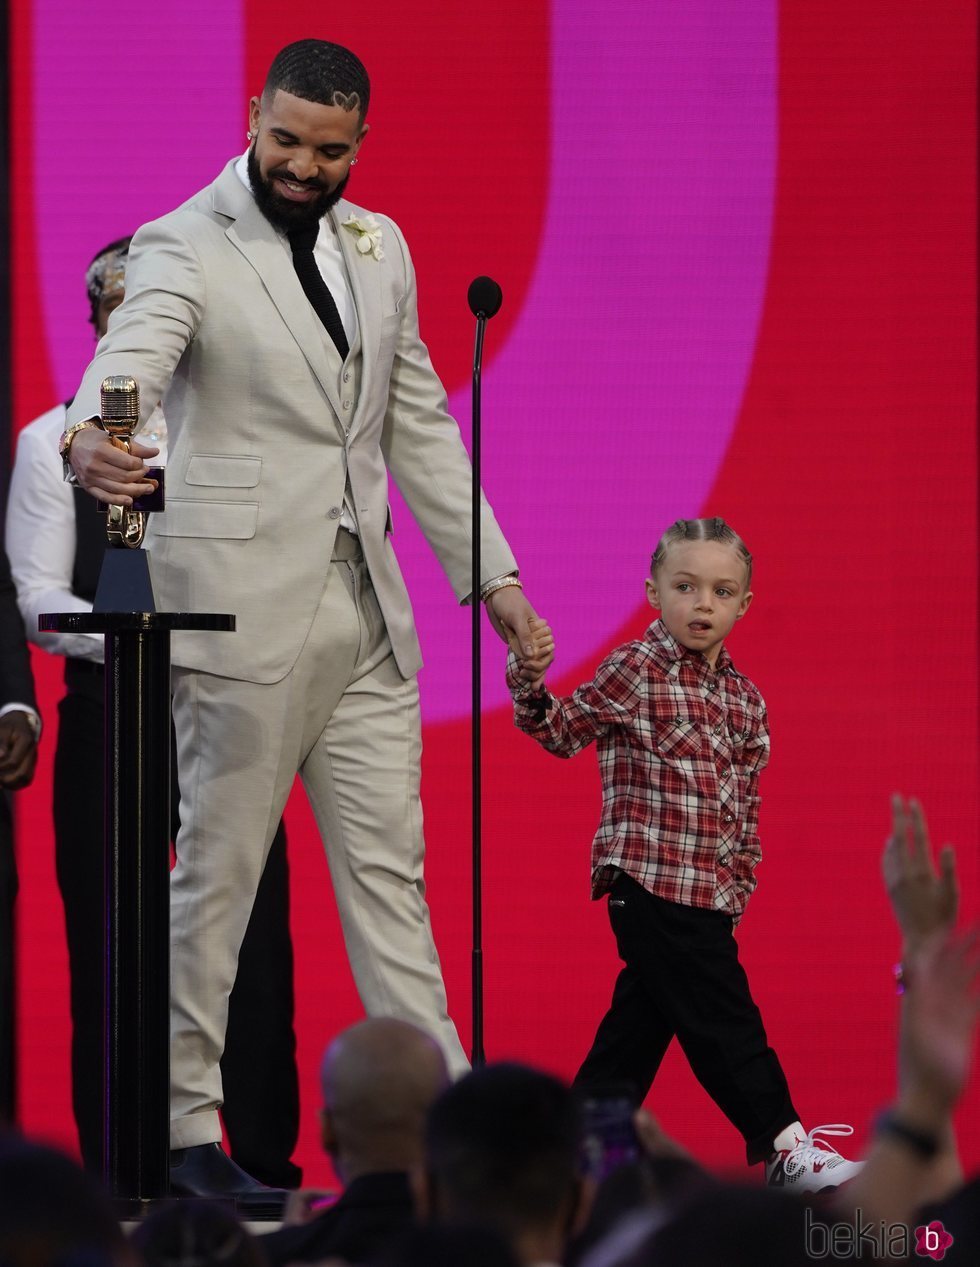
x,y
484,297
477,1055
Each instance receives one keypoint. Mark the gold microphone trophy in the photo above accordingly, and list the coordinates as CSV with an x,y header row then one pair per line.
x,y
124,582
126,525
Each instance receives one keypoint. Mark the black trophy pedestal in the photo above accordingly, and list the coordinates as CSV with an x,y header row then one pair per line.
x,y
137,866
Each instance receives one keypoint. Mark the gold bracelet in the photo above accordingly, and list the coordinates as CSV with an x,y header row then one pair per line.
x,y
501,583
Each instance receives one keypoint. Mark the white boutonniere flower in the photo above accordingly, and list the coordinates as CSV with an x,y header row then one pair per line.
x,y
368,233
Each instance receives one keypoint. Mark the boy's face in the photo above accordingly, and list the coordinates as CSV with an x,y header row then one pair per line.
x,y
700,590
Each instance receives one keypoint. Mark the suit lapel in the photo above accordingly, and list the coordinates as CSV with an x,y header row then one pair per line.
x,y
364,274
268,254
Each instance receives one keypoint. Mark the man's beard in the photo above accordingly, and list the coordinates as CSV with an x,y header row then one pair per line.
x,y
280,212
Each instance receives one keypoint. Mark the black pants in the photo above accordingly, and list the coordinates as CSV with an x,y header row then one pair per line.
x,y
261,1109
682,977
8,894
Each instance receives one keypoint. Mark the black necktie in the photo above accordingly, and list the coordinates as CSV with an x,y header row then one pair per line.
x,y
315,288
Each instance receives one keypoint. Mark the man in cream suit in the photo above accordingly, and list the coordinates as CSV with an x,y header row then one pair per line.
x,y
284,421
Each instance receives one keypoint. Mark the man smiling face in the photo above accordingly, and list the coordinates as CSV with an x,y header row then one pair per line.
x,y
301,155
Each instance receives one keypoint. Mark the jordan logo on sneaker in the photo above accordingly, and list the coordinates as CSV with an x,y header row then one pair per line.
x,y
801,1167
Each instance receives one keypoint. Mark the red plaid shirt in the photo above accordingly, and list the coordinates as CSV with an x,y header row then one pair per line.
x,y
680,750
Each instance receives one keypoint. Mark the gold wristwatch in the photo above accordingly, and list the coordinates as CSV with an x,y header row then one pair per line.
x,y
65,443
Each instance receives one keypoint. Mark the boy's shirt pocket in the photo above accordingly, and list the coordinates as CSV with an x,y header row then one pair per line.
x,y
678,733
678,737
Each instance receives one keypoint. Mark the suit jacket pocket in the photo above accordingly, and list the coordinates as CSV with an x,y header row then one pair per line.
x,y
234,521
221,471
390,329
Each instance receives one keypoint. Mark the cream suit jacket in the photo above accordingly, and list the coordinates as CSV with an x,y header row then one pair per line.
x,y
215,323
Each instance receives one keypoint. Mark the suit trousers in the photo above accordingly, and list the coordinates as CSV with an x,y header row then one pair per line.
x,y
682,977
348,722
259,1066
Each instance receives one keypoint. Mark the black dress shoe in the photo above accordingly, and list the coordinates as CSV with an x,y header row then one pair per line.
x,y
206,1171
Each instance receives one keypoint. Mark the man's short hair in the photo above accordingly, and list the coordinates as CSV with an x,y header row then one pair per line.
x,y
502,1147
316,70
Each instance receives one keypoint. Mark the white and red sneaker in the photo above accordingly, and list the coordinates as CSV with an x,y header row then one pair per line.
x,y
807,1164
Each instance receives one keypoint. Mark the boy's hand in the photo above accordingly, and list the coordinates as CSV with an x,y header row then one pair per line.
x,y
534,666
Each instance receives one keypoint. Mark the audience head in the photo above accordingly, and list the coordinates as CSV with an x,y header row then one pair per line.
x,y
502,1147
196,1234
379,1079
53,1213
440,1245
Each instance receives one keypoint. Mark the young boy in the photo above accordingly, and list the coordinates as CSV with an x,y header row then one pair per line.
x,y
681,738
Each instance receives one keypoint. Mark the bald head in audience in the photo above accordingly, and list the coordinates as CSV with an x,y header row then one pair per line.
x,y
379,1079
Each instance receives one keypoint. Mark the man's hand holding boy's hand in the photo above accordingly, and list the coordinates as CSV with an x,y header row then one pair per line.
x,y
534,666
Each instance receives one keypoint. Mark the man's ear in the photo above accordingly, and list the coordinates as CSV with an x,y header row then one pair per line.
x,y
254,111
328,1136
653,596
423,1193
744,605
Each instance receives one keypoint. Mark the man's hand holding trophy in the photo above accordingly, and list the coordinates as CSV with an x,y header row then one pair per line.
x,y
101,456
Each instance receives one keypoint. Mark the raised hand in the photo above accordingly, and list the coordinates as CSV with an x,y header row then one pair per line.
x,y
924,898
939,1021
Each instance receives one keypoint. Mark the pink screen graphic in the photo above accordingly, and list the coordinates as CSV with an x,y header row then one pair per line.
x,y
736,247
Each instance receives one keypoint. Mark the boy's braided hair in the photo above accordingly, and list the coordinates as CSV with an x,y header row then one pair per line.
x,y
702,530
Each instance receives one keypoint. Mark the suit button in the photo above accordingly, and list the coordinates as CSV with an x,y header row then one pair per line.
x,y
334,512
347,404
346,376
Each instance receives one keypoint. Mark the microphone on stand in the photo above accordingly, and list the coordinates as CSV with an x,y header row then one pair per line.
x,y
484,297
